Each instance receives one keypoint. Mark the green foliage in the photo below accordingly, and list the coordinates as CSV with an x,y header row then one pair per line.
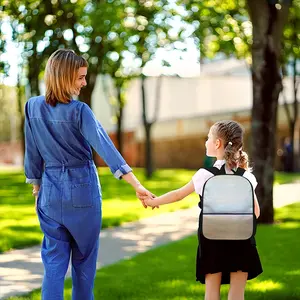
x,y
104,32
291,46
221,26
225,27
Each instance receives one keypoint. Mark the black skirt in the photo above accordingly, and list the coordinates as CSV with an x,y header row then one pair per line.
x,y
214,256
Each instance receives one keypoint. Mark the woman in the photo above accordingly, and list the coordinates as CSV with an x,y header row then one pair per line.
x,y
59,136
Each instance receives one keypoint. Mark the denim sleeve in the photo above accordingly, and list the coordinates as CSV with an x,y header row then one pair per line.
x,y
97,137
33,162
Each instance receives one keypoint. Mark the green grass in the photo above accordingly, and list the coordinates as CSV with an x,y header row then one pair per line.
x,y
19,225
282,178
167,272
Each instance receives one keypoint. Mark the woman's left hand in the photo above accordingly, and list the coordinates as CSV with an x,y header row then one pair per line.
x,y
36,198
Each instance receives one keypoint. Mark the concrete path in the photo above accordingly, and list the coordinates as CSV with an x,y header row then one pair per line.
x,y
21,271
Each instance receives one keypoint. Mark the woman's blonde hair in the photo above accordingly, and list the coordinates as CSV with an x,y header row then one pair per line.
x,y
231,133
60,75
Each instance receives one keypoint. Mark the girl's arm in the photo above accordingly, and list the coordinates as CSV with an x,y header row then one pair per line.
x,y
172,196
256,207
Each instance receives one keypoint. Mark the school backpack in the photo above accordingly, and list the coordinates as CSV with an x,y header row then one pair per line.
x,y
227,206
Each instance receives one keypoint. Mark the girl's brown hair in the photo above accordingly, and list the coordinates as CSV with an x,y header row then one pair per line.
x,y
60,75
231,133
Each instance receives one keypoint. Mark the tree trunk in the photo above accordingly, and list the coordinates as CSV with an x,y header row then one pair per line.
x,y
21,114
86,93
148,151
120,120
295,153
33,75
147,127
268,23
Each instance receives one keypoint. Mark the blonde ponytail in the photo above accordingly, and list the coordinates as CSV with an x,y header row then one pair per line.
x,y
243,160
231,133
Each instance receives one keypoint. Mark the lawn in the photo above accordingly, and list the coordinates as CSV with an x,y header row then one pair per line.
x,y
19,226
282,178
167,272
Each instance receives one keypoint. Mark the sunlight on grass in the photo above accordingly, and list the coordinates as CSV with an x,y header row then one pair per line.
x,y
168,272
289,225
281,177
19,225
292,273
265,286
172,284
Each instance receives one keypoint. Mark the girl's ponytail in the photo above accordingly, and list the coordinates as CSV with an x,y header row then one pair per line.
x,y
243,160
236,158
231,133
230,156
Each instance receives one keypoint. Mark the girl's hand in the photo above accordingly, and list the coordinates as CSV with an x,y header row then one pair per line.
x,y
150,202
142,194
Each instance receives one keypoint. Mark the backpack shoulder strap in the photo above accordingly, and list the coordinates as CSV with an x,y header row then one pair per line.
x,y
239,171
213,170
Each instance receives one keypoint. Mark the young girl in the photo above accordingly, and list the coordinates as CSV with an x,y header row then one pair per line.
x,y
219,261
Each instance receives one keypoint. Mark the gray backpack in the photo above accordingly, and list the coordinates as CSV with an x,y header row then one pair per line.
x,y
227,206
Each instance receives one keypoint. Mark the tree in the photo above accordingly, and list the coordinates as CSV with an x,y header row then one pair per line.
x,y
291,58
268,20
149,29
41,27
224,26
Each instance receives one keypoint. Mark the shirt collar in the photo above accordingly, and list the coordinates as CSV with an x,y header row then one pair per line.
x,y
219,163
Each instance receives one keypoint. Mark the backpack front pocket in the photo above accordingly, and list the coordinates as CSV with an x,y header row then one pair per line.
x,y
227,226
82,195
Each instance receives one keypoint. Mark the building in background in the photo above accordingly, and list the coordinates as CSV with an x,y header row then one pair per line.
x,y
188,107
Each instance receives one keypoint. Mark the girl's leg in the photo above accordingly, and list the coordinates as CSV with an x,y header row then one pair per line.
x,y
212,286
238,282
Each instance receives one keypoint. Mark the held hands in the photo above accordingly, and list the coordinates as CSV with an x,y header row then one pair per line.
x,y
144,194
150,202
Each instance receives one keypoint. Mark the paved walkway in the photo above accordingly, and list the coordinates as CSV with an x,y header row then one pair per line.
x,y
21,270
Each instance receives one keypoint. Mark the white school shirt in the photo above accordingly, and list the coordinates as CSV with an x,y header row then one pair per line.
x,y
202,175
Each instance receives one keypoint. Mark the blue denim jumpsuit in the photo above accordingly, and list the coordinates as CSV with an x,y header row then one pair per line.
x,y
58,157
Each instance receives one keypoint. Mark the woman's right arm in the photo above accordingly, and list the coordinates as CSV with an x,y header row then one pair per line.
x,y
97,137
